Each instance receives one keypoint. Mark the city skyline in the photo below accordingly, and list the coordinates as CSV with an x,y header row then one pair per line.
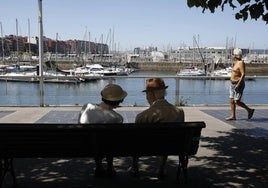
x,y
133,23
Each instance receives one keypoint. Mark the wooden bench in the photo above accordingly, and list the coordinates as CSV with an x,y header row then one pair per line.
x,y
119,140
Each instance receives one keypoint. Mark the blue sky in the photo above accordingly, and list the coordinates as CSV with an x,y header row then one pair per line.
x,y
139,23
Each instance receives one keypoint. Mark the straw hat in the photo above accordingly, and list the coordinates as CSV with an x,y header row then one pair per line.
x,y
113,92
155,84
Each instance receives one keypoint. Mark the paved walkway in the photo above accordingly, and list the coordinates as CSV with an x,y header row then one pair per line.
x,y
231,153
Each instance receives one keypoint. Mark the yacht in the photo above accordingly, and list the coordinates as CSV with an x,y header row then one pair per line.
x,y
192,71
226,72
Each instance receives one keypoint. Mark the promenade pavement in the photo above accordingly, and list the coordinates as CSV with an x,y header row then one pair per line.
x,y
231,153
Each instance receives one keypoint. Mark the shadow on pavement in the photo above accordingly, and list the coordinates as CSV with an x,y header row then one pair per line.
x,y
237,160
240,161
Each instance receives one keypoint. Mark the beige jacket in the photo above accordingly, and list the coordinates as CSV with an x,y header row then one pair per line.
x,y
161,111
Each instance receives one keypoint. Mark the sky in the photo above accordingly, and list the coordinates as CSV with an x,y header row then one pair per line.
x,y
163,24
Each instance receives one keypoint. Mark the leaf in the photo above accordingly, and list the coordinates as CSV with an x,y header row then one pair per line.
x,y
265,17
242,2
196,3
231,4
245,16
256,10
238,16
191,3
212,4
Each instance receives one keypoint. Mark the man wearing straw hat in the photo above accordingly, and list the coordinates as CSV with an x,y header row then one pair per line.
x,y
160,110
112,96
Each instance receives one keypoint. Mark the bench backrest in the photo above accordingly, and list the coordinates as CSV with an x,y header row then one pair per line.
x,y
67,140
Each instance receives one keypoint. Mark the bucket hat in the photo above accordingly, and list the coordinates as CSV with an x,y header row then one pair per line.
x,y
155,84
113,92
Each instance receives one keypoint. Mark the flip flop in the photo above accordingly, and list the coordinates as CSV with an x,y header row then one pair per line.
x,y
230,119
250,114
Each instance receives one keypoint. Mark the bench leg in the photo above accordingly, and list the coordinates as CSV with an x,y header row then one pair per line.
x,y
7,166
182,167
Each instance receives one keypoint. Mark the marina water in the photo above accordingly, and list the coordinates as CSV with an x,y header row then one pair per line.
x,y
191,91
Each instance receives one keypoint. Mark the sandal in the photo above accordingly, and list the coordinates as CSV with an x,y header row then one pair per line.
x,y
230,119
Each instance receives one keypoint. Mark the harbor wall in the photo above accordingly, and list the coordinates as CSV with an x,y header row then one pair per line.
x,y
159,66
257,68
174,66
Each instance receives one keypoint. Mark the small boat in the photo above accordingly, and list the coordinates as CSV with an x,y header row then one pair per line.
x,y
192,71
226,72
20,77
49,77
98,69
56,77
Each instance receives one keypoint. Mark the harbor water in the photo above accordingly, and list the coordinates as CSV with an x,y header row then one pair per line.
x,y
190,92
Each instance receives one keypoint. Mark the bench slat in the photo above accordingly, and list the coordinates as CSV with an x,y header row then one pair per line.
x,y
59,140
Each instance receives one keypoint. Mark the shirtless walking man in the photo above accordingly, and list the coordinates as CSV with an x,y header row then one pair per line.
x,y
237,85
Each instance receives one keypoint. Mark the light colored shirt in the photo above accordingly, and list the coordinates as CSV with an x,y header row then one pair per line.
x,y
91,113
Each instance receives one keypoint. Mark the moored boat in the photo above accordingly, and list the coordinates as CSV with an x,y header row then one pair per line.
x,y
192,71
226,72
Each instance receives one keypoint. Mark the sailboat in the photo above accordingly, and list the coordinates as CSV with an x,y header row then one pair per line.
x,y
192,71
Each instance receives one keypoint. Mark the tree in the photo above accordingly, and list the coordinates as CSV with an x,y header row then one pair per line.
x,y
256,9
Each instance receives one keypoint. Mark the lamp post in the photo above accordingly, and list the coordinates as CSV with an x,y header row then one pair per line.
x,y
41,79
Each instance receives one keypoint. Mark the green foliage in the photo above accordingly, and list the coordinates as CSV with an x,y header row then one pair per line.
x,y
256,9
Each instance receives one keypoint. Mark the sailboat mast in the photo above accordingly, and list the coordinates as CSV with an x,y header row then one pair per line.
x,y
3,50
56,47
89,50
113,44
17,38
85,43
29,39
